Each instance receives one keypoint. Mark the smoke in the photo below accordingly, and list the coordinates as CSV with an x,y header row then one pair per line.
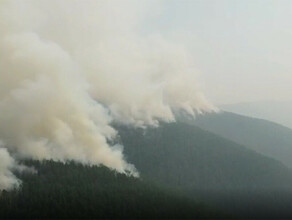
x,y
7,164
69,68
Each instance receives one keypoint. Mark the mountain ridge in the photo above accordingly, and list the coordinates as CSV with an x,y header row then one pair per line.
x,y
265,137
276,111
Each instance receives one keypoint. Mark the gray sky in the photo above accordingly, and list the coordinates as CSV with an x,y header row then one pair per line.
x,y
242,48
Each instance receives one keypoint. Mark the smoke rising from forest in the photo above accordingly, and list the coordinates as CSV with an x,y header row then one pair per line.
x,y
70,68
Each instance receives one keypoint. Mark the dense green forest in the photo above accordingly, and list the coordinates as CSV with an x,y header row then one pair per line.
x,y
186,156
76,191
265,137
185,172
210,168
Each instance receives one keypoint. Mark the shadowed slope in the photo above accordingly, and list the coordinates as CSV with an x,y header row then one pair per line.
x,y
265,137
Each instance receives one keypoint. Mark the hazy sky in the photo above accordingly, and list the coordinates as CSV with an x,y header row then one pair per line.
x,y
242,48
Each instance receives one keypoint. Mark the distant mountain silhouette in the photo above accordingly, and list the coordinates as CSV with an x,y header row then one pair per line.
x,y
265,137
276,111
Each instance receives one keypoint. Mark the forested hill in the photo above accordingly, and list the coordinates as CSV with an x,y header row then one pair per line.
x,y
211,169
180,165
75,191
265,137
186,156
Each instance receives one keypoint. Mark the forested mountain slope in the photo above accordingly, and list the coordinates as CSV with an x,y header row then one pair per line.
x,y
211,169
187,156
180,165
75,191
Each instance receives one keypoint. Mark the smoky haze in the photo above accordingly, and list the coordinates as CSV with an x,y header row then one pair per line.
x,y
69,69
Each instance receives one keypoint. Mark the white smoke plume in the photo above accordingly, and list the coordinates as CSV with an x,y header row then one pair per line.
x,y
7,164
69,68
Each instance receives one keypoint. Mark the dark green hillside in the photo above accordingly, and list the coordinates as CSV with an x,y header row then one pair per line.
x,y
180,165
184,155
75,191
265,137
212,169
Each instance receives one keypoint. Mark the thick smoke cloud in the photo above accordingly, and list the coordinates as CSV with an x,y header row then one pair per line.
x,y
69,68
7,164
